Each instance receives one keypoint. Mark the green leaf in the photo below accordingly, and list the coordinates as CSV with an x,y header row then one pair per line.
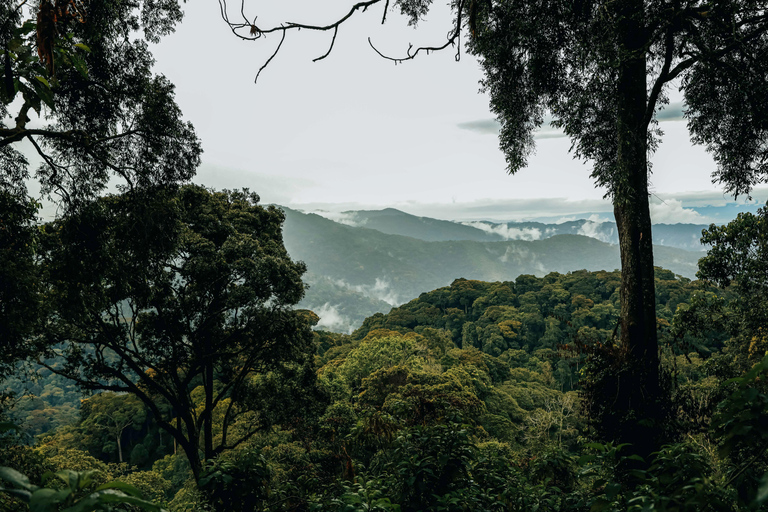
x,y
83,47
16,478
80,65
612,490
19,493
596,446
44,93
115,496
122,486
44,500
762,491
70,478
43,80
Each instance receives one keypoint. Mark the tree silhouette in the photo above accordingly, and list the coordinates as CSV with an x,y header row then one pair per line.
x,y
179,298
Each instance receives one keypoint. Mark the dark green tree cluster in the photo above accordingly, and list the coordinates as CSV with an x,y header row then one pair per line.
x,y
78,89
172,305
177,298
464,399
81,71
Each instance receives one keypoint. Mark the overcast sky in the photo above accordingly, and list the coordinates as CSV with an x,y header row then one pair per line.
x,y
354,131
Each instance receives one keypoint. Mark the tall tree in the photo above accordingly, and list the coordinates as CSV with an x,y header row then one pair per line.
x,y
112,414
77,89
19,280
603,69
77,86
179,298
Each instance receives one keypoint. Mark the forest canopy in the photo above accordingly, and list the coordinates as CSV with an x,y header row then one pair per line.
x,y
171,306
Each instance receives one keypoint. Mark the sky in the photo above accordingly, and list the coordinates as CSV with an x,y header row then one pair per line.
x,y
355,131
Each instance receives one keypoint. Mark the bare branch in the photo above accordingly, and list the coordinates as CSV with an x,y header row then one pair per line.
x,y
263,67
335,31
454,39
248,30
53,165
255,32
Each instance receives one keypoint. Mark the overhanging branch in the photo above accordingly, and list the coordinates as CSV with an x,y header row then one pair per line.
x,y
246,29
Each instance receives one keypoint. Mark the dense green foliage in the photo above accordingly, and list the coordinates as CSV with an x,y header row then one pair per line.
x,y
470,397
19,283
176,297
79,69
173,306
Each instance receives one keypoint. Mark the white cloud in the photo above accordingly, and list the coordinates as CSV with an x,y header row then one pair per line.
x,y
506,232
346,218
379,290
523,256
671,211
332,320
593,228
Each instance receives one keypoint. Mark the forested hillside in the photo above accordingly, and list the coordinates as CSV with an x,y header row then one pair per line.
x,y
159,351
355,272
470,397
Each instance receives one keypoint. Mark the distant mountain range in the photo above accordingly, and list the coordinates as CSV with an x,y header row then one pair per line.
x,y
365,262
396,222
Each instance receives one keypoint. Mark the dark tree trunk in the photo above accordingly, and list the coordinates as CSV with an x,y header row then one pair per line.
x,y
208,413
119,447
640,399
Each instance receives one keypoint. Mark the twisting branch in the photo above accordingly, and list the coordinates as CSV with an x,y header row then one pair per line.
x,y
335,31
247,29
454,39
53,165
255,32
264,66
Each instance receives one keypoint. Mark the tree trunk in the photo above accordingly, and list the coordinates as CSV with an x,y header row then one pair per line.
x,y
208,412
640,397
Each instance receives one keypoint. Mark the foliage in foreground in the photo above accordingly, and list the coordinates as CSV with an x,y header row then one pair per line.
x,y
467,398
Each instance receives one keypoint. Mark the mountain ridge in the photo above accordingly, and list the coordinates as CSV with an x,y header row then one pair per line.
x,y
348,263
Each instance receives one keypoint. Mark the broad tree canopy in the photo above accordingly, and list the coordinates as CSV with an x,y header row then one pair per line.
x,y
178,297
78,88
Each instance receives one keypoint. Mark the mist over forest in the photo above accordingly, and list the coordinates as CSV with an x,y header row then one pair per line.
x,y
174,340
365,262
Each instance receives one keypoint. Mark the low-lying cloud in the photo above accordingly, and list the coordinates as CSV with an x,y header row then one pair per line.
x,y
332,320
381,289
523,257
671,211
671,112
485,126
492,127
346,218
593,227
506,232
